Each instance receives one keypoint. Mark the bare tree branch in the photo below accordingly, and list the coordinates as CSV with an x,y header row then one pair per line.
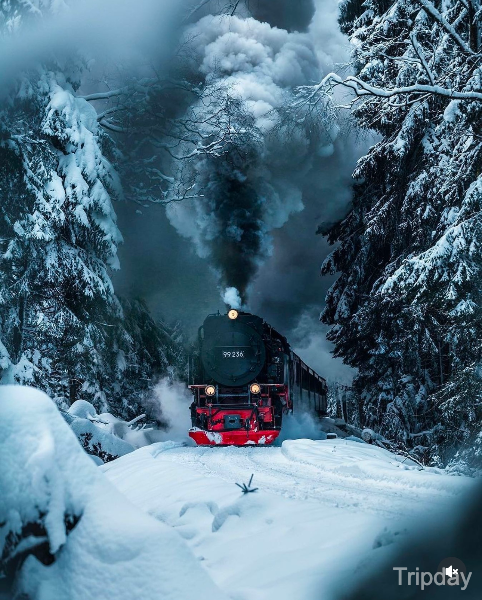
x,y
201,4
361,88
235,7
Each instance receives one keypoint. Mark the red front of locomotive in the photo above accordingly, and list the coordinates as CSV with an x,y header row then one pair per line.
x,y
241,388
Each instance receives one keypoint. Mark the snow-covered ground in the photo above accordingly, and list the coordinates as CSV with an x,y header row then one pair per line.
x,y
325,510
167,521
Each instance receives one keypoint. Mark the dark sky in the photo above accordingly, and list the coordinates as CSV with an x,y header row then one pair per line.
x,y
287,291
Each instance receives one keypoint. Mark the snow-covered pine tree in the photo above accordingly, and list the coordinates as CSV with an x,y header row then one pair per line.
x,y
407,307
60,238
62,328
149,350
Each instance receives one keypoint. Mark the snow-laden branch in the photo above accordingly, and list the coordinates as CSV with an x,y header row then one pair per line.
x,y
141,85
104,95
419,52
111,126
109,111
136,419
430,8
362,88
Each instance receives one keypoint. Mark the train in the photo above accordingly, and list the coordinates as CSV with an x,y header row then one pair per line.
x,y
245,380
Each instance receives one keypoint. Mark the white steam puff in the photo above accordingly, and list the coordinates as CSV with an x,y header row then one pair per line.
x,y
258,61
232,298
169,403
258,65
300,425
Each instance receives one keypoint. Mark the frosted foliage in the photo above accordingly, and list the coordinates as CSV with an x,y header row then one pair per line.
x,y
82,177
60,239
406,309
14,14
97,542
451,261
106,437
60,322
62,328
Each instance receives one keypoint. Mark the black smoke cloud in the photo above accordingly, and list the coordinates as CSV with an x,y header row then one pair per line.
x,y
238,209
179,281
252,186
288,290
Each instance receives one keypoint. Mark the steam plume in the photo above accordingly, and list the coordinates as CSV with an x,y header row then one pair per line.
x,y
253,184
232,298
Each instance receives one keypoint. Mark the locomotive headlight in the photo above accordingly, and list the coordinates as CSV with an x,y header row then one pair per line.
x,y
233,314
210,390
255,388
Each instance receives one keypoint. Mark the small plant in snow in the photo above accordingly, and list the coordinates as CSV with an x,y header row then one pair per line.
x,y
247,488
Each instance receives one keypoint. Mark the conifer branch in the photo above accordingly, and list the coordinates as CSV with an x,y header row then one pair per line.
x,y
430,9
420,54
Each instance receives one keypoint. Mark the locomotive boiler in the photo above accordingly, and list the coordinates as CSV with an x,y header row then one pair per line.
x,y
245,379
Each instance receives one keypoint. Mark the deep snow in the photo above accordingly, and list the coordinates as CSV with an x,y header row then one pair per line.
x,y
325,510
114,552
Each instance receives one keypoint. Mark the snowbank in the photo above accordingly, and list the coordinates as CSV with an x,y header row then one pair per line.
x,y
98,434
106,437
68,531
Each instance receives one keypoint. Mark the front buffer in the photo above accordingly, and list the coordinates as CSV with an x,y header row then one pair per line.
x,y
233,438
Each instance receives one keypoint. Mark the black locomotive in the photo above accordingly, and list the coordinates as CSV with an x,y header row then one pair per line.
x,y
244,379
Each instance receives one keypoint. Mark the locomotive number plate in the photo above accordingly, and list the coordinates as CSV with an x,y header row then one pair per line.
x,y
233,352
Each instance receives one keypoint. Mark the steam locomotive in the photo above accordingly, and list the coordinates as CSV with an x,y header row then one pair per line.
x,y
246,379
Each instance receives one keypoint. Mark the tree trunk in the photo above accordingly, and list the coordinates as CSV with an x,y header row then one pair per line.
x,y
473,28
18,330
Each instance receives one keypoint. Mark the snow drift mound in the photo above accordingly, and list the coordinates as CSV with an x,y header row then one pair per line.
x,y
65,532
101,436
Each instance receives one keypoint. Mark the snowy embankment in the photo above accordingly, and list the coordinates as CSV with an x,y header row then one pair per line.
x,y
80,537
324,511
